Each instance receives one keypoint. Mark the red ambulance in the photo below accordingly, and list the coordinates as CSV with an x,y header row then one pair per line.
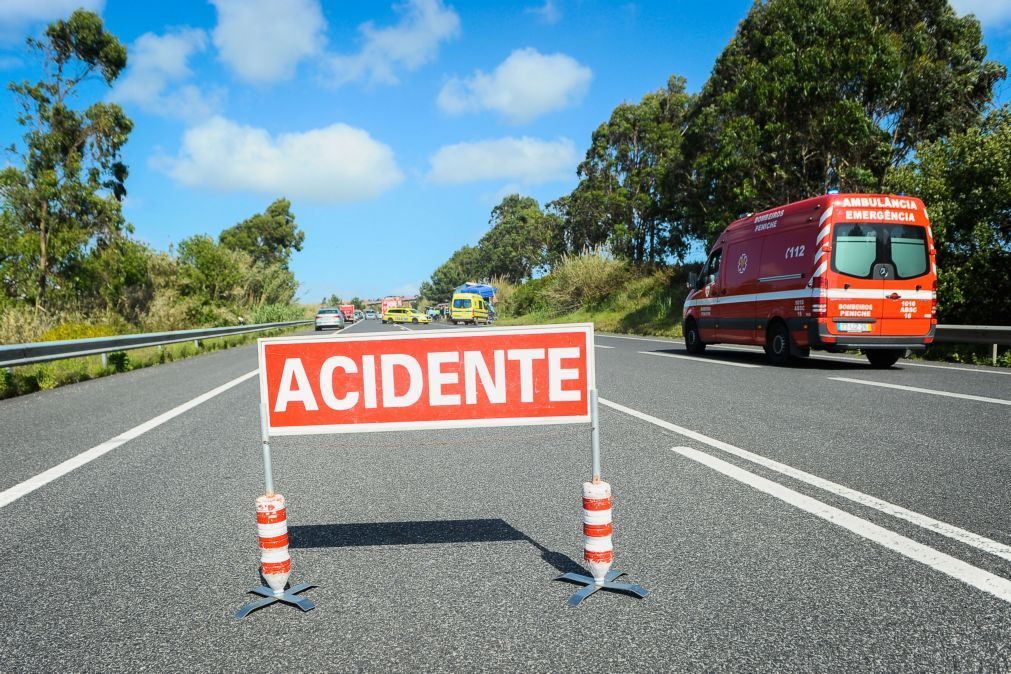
x,y
836,272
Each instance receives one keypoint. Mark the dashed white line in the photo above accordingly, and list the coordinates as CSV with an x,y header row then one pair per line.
x,y
602,346
709,361
916,389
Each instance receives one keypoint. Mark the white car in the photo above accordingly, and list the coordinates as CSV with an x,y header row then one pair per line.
x,y
370,315
329,318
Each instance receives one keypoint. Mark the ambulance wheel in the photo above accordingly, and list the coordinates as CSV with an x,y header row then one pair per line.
x,y
778,344
693,341
415,321
884,358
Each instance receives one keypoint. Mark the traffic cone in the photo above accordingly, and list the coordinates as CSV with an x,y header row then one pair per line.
x,y
272,530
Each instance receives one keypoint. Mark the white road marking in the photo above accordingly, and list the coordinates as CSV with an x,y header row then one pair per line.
x,y
12,494
950,566
935,526
915,389
601,346
846,359
711,361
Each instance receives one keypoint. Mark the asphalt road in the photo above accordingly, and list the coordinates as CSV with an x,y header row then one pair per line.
x,y
784,519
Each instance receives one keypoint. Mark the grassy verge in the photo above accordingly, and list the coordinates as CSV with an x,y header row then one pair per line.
x,y
43,376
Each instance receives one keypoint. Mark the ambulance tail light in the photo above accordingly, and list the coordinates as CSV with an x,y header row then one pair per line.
x,y
933,303
819,298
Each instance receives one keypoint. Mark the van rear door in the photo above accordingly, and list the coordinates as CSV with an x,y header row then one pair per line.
x,y
883,284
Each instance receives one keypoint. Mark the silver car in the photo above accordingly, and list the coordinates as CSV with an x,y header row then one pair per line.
x,y
329,318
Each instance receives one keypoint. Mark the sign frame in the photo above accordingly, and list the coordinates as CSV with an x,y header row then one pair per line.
x,y
587,329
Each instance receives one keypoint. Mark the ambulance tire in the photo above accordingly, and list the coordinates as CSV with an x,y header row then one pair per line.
x,y
778,343
693,341
884,358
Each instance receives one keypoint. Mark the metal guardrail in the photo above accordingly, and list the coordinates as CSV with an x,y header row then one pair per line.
x,y
41,352
973,334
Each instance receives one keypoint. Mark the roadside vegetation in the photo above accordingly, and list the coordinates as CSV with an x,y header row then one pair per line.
x,y
864,95
70,267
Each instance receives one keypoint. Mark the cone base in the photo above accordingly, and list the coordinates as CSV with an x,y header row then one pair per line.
x,y
269,597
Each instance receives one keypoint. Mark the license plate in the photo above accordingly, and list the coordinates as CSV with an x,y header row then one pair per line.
x,y
854,327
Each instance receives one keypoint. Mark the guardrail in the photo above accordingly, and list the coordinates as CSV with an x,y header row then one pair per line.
x,y
41,352
975,334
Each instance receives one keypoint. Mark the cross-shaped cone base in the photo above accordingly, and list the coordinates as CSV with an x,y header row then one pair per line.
x,y
288,597
591,586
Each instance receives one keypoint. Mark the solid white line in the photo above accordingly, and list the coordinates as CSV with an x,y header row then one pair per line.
x,y
914,389
845,359
711,361
8,496
936,526
601,346
950,566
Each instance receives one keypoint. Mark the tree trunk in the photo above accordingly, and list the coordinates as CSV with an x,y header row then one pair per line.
x,y
43,261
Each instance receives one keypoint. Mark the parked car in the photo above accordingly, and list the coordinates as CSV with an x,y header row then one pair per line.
x,y
370,315
329,318
405,315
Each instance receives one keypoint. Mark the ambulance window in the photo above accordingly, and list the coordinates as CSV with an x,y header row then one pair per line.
x,y
461,304
712,269
909,250
854,250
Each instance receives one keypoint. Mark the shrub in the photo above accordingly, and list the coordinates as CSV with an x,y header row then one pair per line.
x,y
119,361
20,325
528,298
277,313
77,331
585,281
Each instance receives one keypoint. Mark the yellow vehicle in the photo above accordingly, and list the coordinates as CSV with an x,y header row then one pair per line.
x,y
469,308
405,315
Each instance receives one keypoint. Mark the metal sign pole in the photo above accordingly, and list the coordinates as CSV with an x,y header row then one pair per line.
x,y
595,435
606,582
268,468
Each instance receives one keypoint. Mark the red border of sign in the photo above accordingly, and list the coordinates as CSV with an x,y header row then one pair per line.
x,y
586,328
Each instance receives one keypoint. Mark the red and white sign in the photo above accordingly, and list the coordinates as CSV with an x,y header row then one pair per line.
x,y
437,379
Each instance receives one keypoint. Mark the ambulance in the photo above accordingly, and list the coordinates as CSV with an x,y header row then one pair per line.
x,y
836,272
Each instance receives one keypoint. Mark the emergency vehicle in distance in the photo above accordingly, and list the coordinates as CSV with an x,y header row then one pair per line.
x,y
835,272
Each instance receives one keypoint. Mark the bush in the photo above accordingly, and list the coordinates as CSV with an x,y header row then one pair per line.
x,y
21,325
77,331
119,361
585,281
277,313
528,298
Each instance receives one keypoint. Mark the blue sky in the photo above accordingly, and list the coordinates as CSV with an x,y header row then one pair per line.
x,y
393,128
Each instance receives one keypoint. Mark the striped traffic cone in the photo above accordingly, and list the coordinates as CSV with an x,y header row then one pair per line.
x,y
272,530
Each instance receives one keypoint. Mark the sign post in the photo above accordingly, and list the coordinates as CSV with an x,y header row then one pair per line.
x,y
430,380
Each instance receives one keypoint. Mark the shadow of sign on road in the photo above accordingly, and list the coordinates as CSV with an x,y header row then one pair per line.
x,y
428,532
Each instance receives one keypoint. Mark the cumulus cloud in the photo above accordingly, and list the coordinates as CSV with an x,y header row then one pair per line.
x,y
15,15
989,12
158,63
409,44
528,161
547,13
524,86
263,41
334,164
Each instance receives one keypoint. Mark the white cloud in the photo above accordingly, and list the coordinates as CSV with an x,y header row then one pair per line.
x,y
264,40
15,15
524,86
528,161
989,12
547,13
409,44
156,62
334,164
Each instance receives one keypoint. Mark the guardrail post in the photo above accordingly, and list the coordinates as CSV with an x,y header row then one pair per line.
x,y
196,343
105,360
995,355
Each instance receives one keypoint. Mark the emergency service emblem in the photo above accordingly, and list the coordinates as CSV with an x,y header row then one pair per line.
x,y
742,263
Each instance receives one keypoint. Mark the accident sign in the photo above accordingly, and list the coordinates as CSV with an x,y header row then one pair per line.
x,y
436,379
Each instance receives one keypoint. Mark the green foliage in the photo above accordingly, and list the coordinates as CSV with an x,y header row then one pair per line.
x,y
65,199
466,264
585,281
119,361
965,180
269,237
517,243
276,313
